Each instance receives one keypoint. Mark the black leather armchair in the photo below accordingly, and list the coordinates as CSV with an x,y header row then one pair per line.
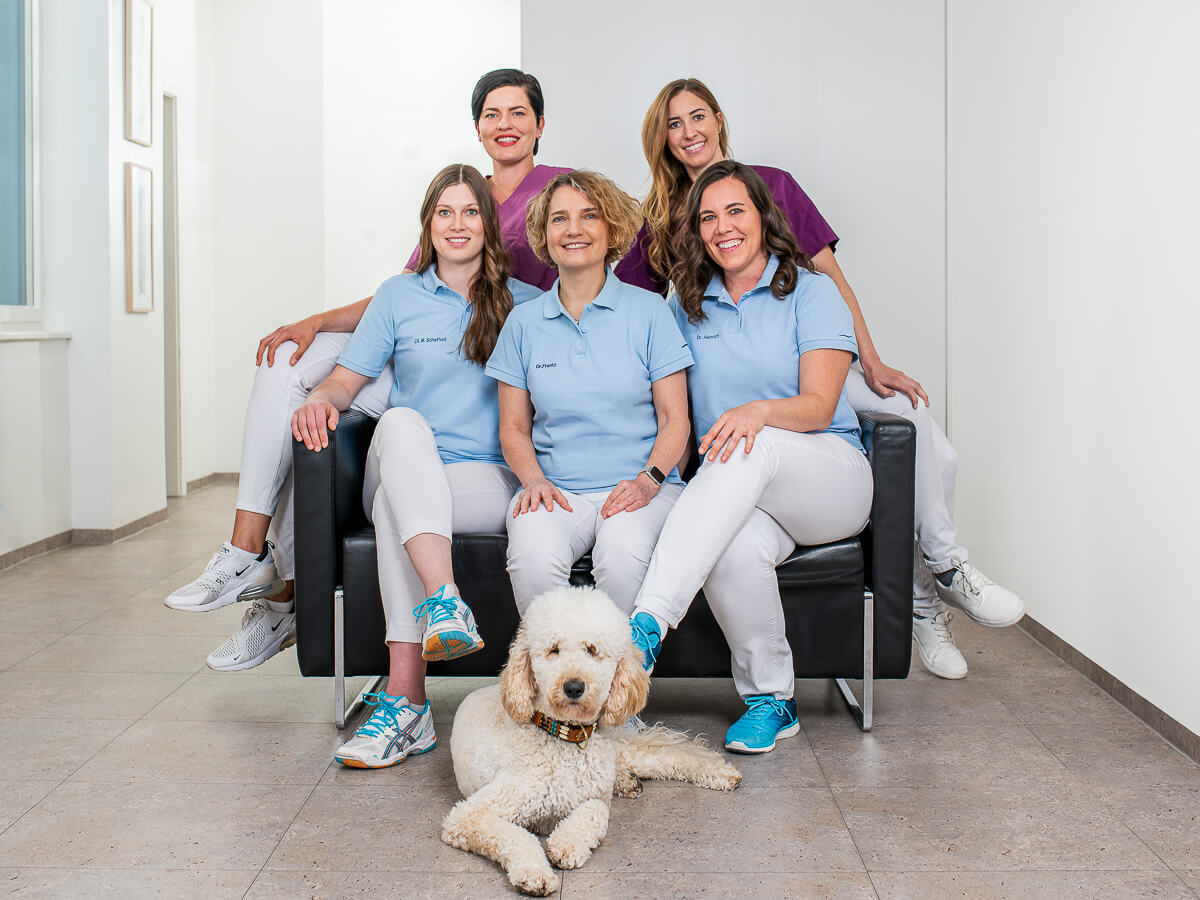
x,y
859,589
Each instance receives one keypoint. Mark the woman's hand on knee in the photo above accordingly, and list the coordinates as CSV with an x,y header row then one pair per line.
x,y
540,492
302,332
742,423
885,381
629,495
313,421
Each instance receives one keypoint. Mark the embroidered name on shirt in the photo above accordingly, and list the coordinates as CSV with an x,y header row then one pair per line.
x,y
707,337
545,365
430,340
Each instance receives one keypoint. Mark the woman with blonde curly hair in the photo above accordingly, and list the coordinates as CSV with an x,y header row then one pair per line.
x,y
434,468
685,132
593,400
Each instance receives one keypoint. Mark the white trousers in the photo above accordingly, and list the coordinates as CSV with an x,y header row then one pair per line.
x,y
542,546
936,470
735,522
409,491
264,485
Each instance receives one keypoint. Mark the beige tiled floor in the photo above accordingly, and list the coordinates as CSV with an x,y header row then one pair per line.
x,y
128,769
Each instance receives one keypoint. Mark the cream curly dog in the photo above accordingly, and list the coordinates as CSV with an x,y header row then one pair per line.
x,y
542,750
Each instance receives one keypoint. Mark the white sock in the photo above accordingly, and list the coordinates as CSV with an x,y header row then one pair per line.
x,y
276,607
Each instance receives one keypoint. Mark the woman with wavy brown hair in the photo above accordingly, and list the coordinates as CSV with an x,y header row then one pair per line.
x,y
782,460
685,131
435,466
593,401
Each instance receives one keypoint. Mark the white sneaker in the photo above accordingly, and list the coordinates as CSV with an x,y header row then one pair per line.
x,y
267,627
936,647
979,597
394,732
228,577
450,630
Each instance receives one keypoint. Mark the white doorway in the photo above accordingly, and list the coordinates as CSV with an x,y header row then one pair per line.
x,y
172,416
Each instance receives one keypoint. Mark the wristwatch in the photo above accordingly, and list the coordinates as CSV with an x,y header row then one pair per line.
x,y
655,473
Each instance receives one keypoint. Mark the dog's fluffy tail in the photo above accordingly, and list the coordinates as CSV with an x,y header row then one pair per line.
x,y
660,752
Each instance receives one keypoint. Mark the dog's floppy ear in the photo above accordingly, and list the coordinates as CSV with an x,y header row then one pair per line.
x,y
517,687
630,686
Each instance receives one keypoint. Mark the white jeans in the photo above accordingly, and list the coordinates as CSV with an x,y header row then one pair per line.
x,y
409,491
937,467
542,546
735,522
264,485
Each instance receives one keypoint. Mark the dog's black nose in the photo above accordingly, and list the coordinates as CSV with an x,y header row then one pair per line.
x,y
573,689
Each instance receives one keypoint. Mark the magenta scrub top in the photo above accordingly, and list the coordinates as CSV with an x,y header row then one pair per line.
x,y
811,230
525,265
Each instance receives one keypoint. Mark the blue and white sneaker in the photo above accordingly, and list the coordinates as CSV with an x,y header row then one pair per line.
x,y
450,630
647,638
394,732
762,724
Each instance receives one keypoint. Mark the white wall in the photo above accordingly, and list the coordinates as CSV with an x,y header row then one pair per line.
x,y
847,97
1073,300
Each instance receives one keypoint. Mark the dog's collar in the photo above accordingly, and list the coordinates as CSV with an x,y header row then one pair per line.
x,y
572,734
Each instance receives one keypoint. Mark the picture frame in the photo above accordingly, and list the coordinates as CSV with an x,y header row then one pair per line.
x,y
139,238
139,72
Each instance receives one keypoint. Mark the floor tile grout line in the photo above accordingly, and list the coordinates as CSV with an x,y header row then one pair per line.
x,y
285,831
841,812
5,829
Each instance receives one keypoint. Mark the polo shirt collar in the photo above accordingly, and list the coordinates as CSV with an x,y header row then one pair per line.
x,y
433,284
608,296
716,284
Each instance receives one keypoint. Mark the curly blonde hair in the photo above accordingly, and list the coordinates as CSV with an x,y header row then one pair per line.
x,y
620,212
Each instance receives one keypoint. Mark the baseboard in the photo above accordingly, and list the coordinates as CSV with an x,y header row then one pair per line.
x,y
37,548
211,478
81,536
1186,740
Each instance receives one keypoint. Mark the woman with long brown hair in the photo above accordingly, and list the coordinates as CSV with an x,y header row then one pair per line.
x,y
435,466
782,460
685,132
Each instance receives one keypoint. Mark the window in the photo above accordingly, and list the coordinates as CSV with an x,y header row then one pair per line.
x,y
16,159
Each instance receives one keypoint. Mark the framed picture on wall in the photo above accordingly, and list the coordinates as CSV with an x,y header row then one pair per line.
x,y
139,72
139,239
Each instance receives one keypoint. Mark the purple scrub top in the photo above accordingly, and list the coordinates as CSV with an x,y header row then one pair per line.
x,y
525,265
811,230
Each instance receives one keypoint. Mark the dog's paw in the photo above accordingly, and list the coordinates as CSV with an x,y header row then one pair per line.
x,y
627,785
538,880
566,854
722,777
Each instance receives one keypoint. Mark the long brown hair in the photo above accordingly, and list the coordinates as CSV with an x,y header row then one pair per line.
x,y
669,180
489,295
695,268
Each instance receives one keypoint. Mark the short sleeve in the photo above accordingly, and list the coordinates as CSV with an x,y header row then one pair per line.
x,y
811,230
635,269
522,292
374,340
668,351
823,321
507,363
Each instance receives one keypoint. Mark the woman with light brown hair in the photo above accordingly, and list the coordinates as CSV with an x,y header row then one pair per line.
x,y
434,468
684,133
593,400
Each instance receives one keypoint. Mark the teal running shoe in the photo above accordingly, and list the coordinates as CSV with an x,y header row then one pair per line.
x,y
450,629
646,638
766,720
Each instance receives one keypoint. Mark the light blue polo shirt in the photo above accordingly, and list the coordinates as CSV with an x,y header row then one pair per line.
x,y
418,322
751,350
594,422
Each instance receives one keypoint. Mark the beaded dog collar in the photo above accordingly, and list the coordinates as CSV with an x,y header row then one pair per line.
x,y
572,734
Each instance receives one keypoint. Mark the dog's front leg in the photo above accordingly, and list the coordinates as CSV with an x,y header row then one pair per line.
x,y
475,825
571,843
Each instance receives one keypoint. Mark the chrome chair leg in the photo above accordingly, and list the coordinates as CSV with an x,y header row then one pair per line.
x,y
864,713
341,712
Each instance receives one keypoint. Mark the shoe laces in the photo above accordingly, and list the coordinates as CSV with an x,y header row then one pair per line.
x,y
439,607
763,706
941,627
213,577
647,637
385,717
975,580
257,609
